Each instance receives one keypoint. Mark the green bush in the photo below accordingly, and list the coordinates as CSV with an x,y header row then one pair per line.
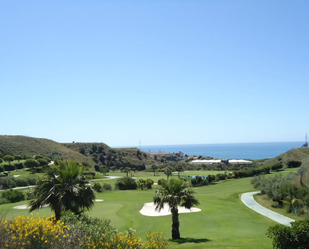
x,y
9,167
21,181
199,181
13,196
126,183
4,201
296,236
30,195
19,166
160,181
107,187
97,187
7,182
293,164
149,183
33,179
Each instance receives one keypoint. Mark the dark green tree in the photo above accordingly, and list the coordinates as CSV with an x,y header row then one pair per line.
x,y
179,168
18,158
175,193
8,158
31,163
154,167
168,171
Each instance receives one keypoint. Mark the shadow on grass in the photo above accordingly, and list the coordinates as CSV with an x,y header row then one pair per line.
x,y
189,240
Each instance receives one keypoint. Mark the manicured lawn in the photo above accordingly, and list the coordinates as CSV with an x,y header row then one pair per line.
x,y
224,221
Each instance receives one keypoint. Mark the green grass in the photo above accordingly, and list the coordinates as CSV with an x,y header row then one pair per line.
x,y
224,221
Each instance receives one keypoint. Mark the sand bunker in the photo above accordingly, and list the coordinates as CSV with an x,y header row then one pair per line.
x,y
149,210
98,200
25,206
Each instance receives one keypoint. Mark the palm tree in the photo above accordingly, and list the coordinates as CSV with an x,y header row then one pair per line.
x,y
64,189
175,193
168,171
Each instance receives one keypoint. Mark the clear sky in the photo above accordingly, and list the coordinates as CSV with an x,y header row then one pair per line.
x,y
163,72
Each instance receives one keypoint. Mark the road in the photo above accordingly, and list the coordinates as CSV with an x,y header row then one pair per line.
x,y
248,200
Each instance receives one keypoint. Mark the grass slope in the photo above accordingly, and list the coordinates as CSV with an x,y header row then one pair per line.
x,y
29,146
117,155
300,154
224,221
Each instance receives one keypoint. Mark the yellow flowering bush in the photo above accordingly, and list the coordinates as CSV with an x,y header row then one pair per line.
x,y
29,232
75,232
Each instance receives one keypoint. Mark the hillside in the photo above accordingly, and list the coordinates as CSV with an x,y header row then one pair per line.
x,y
105,155
91,153
300,154
29,146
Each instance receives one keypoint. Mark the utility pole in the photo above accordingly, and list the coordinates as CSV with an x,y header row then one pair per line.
x,y
306,142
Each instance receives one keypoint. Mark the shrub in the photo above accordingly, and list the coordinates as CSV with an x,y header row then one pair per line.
x,y
13,196
126,183
293,164
296,236
9,167
30,195
7,182
33,179
4,201
107,187
149,183
160,181
21,181
97,187
72,232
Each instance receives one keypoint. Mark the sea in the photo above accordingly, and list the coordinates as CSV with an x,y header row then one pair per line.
x,y
230,150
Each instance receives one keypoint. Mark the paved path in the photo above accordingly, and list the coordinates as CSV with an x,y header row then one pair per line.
x,y
248,200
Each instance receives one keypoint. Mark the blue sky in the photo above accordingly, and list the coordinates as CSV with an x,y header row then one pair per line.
x,y
163,72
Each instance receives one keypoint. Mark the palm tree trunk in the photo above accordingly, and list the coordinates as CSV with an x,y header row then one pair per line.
x,y
57,215
175,225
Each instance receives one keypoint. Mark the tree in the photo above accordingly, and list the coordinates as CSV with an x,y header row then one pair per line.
x,y
175,193
293,164
31,163
64,190
179,167
8,158
127,170
18,158
154,167
290,192
168,171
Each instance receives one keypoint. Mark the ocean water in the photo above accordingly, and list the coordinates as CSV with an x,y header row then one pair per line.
x,y
229,151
